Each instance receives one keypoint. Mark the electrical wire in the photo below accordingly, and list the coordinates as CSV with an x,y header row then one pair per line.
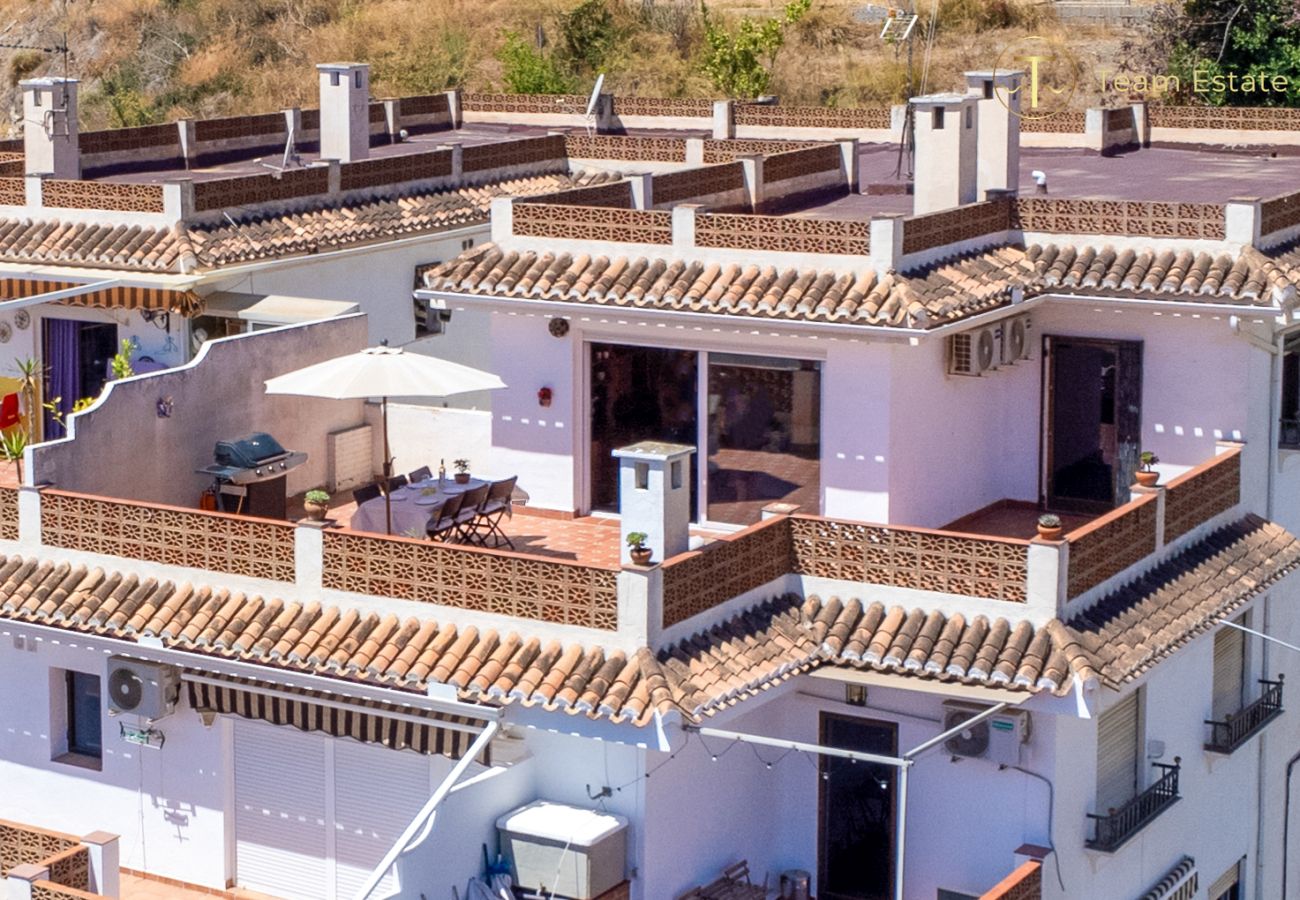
x,y
1051,806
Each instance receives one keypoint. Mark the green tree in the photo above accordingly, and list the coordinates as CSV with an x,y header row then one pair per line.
x,y
527,70
739,62
1211,41
590,34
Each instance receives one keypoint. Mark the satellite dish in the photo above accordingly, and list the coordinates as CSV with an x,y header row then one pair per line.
x,y
595,95
126,688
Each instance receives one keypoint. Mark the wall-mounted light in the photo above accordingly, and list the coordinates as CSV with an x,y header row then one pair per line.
x,y
165,407
558,327
544,396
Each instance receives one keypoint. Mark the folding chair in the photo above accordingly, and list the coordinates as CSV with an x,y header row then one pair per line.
x,y
362,494
495,507
470,506
442,519
421,474
397,481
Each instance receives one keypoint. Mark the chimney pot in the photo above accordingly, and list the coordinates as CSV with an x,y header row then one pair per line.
x,y
344,111
51,143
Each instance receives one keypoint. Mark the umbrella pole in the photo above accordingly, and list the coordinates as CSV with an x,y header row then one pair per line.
x,y
388,471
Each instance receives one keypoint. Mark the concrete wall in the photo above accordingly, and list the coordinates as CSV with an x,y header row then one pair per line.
x,y
120,447
167,805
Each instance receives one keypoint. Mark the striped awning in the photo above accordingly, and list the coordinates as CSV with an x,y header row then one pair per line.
x,y
1179,883
370,722
186,303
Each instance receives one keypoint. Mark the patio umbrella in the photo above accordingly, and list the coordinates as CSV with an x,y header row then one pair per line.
x,y
383,372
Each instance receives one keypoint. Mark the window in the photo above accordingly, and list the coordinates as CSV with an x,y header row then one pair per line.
x,y
466,244
988,89
334,79
936,119
1228,885
1229,671
85,714
36,98
357,78
1117,754
1289,432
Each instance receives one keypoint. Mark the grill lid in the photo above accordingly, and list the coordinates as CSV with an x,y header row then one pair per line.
x,y
247,452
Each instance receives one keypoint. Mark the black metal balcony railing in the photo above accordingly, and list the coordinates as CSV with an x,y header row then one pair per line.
x,y
1240,727
1288,434
1118,825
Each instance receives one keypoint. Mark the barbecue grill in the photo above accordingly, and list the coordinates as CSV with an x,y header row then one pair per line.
x,y
251,473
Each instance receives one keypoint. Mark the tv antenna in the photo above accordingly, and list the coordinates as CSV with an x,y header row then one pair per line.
x,y
592,103
899,28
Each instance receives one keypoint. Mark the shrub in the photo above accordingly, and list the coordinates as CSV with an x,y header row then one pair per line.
x,y
527,70
24,63
740,62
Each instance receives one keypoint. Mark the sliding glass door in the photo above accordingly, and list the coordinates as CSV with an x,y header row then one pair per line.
x,y
757,420
764,435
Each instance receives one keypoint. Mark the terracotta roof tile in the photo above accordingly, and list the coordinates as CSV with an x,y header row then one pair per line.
x,y
926,297
1117,639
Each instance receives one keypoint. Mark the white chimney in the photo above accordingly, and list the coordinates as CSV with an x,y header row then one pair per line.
x,y
946,134
344,111
50,141
654,497
997,99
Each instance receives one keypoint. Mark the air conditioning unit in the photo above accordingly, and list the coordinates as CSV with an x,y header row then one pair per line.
x,y
1015,339
997,738
146,689
972,352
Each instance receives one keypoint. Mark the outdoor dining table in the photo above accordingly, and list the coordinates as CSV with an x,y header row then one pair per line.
x,y
411,506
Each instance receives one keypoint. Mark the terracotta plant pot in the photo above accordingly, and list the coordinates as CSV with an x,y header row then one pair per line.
x,y
462,478
642,556
1148,479
316,511
1049,534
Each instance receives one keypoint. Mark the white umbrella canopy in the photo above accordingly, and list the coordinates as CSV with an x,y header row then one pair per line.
x,y
383,372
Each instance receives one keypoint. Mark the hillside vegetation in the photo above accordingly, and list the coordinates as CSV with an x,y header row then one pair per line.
x,y
144,61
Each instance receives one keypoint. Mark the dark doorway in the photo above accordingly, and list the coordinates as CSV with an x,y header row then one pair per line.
x,y
855,829
78,360
638,394
1094,391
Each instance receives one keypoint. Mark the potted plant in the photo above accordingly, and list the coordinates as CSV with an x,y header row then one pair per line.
x,y
316,504
1049,526
462,470
640,552
12,445
1146,476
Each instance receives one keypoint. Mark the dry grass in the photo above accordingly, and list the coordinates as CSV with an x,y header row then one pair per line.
x,y
168,58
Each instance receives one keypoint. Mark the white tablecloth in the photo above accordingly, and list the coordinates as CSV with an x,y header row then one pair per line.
x,y
410,519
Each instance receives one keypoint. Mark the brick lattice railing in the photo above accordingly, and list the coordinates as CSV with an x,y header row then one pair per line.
x,y
25,845
1127,217
221,542
788,164
688,184
589,223
1201,493
504,154
8,513
939,229
247,190
783,234
1279,213
719,151
699,580
679,107
1232,118
117,140
634,149
509,584
233,127
70,867
68,194
813,116
614,195
919,558
13,191
386,170
1110,544
527,104
1070,121
1025,883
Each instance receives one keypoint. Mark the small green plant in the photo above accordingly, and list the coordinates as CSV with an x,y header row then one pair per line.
x,y
527,70
30,374
317,497
636,539
461,466
1049,520
122,361
1148,459
739,62
12,446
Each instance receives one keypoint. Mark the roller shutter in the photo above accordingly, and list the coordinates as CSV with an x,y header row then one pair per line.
x,y
1229,664
1117,754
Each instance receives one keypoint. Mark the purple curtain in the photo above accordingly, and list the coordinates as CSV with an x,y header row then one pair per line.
x,y
63,368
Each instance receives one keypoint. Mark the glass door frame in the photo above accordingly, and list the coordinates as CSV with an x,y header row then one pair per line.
x,y
582,473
